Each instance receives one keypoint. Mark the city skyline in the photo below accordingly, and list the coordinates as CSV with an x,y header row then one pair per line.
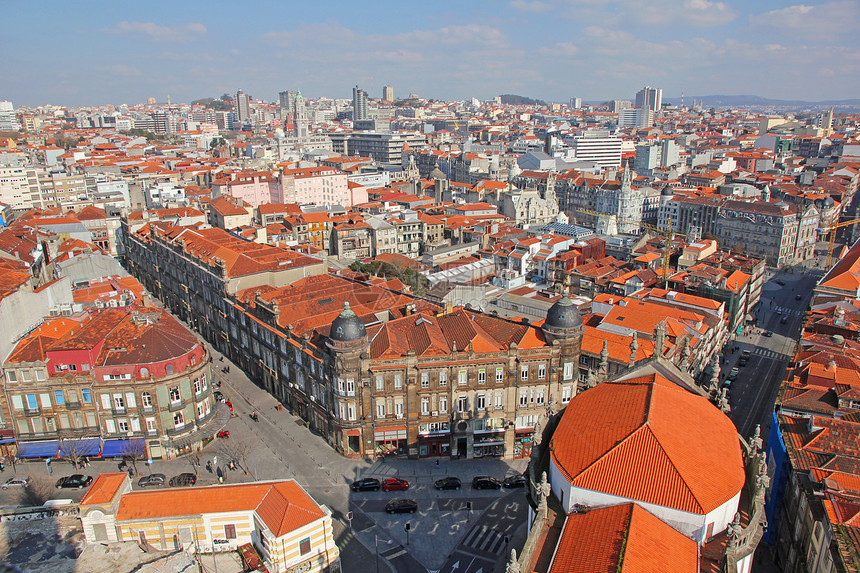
x,y
551,50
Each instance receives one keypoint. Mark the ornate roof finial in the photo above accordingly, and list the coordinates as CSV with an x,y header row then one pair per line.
x,y
634,346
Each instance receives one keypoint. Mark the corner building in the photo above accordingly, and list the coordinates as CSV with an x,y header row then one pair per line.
x,y
379,373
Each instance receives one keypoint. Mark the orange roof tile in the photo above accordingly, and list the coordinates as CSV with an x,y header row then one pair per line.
x,y
104,488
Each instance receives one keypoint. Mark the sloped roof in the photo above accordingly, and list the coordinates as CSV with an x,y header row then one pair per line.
x,y
622,539
647,439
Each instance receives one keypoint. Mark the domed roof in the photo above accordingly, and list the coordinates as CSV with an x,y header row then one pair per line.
x,y
829,202
563,314
437,174
667,191
347,326
648,439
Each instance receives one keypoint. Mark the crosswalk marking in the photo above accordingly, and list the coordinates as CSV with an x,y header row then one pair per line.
x,y
785,310
765,353
485,539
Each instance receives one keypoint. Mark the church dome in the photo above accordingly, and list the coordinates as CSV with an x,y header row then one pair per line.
x,y
347,327
667,191
563,315
437,174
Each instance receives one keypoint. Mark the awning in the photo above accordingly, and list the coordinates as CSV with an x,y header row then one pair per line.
x,y
7,440
87,447
117,448
38,449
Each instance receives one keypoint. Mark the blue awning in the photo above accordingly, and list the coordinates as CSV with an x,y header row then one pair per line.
x,y
38,449
7,440
117,448
87,447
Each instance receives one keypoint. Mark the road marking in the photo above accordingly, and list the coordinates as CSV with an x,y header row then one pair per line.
x,y
395,555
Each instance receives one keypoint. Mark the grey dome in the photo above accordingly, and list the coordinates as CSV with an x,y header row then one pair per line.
x,y
347,326
829,202
667,191
437,174
563,314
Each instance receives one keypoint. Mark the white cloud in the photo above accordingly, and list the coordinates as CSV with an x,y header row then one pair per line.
x,y
158,33
534,6
823,22
120,70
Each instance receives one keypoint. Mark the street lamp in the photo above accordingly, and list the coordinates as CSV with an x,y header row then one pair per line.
x,y
376,546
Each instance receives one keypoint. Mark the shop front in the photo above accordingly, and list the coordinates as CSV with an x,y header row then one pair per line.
x,y
489,444
434,440
390,441
523,442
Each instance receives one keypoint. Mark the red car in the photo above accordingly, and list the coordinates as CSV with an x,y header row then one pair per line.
x,y
229,405
394,483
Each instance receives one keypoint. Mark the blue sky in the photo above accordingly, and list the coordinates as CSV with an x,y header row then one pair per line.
x,y
94,53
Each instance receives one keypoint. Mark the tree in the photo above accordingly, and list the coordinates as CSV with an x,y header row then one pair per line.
x,y
236,450
133,450
37,492
73,450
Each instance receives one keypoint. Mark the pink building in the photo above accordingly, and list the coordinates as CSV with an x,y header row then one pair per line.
x,y
320,186
253,187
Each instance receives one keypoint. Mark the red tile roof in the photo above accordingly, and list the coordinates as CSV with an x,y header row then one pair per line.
x,y
647,439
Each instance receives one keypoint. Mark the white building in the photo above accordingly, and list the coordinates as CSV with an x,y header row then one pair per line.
x,y
597,146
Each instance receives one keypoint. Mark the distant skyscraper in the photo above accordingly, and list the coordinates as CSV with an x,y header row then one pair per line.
x,y
387,93
359,104
619,104
243,106
649,97
576,102
287,99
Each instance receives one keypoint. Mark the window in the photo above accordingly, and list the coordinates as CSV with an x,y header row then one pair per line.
x,y
150,425
17,402
122,425
25,376
32,404
380,384
45,399
350,386
398,408
169,369
199,385
462,378
541,371
305,546
129,399
350,410
481,402
380,409
584,359
443,379
524,372
86,396
118,402
443,404
524,398
40,375
482,375
178,420
59,399
500,374
398,381
425,379
568,371
539,397
11,376
500,400
462,403
425,406
565,394
110,426
175,396
135,425
146,400
230,531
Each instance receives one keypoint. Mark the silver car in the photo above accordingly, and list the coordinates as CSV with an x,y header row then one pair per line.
x,y
16,482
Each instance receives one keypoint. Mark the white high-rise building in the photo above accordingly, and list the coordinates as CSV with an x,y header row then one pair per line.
x,y
635,117
576,102
359,104
597,146
8,121
651,98
243,106
388,93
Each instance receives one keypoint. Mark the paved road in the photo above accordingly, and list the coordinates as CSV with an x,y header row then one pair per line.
x,y
487,542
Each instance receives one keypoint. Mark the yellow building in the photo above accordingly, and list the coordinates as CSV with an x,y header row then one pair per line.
x,y
289,530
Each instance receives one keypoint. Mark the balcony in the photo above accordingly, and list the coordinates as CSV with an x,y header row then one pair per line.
x,y
32,411
179,430
118,411
203,393
73,405
147,409
177,405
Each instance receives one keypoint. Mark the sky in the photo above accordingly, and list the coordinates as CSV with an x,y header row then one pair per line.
x,y
95,53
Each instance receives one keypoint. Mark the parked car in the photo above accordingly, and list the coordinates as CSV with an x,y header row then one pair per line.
x,y
218,395
780,282
229,405
183,480
746,354
401,506
797,297
79,481
16,482
152,480
486,482
768,333
448,483
743,361
733,374
389,484
518,480
365,484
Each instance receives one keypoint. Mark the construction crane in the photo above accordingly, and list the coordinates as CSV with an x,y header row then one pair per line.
x,y
832,242
668,232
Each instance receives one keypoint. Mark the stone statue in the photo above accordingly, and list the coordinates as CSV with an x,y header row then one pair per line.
x,y
591,381
724,403
755,441
659,339
603,368
634,346
538,435
543,490
735,528
513,565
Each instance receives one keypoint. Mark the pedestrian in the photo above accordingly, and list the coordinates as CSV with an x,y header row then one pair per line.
x,y
437,462
130,472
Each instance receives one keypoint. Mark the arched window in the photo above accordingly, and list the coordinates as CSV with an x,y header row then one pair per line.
x,y
144,372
